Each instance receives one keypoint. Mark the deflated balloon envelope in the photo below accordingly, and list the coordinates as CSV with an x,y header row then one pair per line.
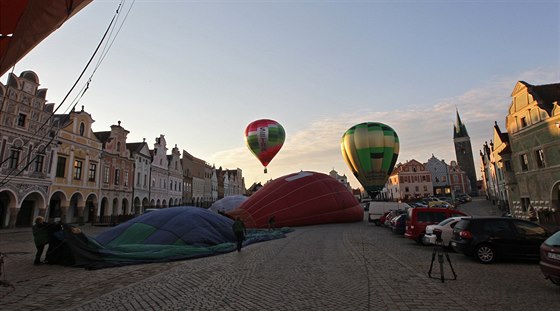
x,y
370,149
227,203
304,198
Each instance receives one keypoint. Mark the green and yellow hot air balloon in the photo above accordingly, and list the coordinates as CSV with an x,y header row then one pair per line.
x,y
370,149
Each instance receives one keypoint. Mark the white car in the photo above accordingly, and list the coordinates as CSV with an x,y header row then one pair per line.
x,y
446,227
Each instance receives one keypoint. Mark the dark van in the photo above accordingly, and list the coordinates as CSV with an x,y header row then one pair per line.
x,y
420,217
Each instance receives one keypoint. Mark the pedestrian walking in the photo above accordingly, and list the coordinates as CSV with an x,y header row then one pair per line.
x,y
40,237
239,230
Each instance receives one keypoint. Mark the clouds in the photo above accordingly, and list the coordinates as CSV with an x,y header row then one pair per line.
x,y
424,129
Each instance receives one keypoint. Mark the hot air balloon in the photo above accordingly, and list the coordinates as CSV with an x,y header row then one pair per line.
x,y
264,138
25,23
300,199
370,149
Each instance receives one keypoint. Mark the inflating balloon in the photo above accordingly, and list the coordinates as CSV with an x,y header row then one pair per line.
x,y
370,149
264,138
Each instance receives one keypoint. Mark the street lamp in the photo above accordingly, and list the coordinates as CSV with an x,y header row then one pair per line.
x,y
449,181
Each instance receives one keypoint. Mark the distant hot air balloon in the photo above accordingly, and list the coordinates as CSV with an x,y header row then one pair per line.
x,y
370,149
264,138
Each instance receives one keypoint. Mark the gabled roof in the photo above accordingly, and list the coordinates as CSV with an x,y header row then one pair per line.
x,y
103,136
63,120
503,139
545,95
136,147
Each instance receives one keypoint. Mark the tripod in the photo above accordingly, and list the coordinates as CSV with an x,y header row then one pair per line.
x,y
439,251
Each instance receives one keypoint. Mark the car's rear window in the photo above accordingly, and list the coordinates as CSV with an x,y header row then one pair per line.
x,y
432,217
553,240
462,224
445,222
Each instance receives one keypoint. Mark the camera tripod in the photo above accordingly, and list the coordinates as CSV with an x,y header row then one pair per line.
x,y
439,251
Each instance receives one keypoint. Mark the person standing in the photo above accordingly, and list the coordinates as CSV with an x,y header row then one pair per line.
x,y
271,222
239,231
40,237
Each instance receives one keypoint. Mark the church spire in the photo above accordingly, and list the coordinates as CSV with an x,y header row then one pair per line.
x,y
459,129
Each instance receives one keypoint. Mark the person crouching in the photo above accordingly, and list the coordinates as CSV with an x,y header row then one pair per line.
x,y
40,237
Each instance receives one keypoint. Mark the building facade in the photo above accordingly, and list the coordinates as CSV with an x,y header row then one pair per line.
x,y
26,150
175,170
408,181
159,174
117,171
140,152
533,125
75,191
195,170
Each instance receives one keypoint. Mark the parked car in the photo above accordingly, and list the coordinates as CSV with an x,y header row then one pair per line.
x,y
377,209
392,216
398,224
439,204
446,228
463,198
383,218
487,238
420,217
550,258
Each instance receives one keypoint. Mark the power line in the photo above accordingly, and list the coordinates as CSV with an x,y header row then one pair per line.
x,y
8,177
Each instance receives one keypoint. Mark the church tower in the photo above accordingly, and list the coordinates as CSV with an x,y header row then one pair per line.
x,y
463,151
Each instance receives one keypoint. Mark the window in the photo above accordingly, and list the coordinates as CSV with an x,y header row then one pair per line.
x,y
14,158
78,169
117,176
126,178
416,189
106,174
406,189
39,160
524,162
92,170
138,179
523,122
425,188
507,164
525,203
60,167
539,155
21,120
529,229
431,217
498,227
119,146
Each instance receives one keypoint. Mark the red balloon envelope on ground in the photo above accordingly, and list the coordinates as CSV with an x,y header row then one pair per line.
x,y
304,198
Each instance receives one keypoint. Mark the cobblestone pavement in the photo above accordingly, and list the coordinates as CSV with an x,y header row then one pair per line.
x,y
327,267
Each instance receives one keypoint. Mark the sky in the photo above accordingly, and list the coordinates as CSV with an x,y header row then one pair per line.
x,y
199,72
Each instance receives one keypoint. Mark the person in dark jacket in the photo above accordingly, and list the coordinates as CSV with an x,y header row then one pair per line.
x,y
239,231
40,237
